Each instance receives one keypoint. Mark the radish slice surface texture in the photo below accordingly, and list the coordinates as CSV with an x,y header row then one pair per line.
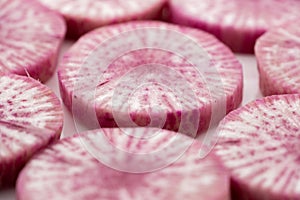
x,y
134,74
67,171
31,117
83,16
278,57
259,145
239,23
30,38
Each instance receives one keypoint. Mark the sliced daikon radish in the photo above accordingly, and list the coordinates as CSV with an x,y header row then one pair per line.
x,y
83,16
30,37
237,23
278,58
259,145
152,74
68,171
31,117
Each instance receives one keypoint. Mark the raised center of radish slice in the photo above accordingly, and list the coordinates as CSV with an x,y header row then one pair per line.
x,y
30,118
30,37
67,171
259,144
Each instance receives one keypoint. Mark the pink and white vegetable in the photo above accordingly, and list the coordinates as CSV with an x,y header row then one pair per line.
x,y
83,16
259,145
31,117
67,170
188,91
236,23
30,37
278,57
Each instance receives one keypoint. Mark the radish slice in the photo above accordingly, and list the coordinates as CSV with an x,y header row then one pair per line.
x,y
259,145
30,37
239,23
136,72
30,118
67,170
83,16
278,58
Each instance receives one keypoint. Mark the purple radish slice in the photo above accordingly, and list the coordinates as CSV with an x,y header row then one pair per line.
x,y
31,117
147,98
30,37
239,23
66,170
258,144
278,57
91,14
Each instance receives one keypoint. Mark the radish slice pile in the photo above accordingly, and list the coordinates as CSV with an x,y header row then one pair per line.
x,y
30,37
237,23
68,171
278,58
83,16
259,144
149,78
30,118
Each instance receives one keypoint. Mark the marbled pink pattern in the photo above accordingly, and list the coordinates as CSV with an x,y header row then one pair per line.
x,y
31,117
259,145
83,16
278,58
236,23
221,58
67,171
30,38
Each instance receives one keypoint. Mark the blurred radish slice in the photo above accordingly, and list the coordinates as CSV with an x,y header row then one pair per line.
x,y
259,145
239,23
83,16
67,171
30,37
30,118
153,83
278,57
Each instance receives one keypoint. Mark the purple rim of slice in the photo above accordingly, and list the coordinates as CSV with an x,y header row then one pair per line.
x,y
31,117
84,16
30,38
278,58
239,23
66,170
259,145
221,58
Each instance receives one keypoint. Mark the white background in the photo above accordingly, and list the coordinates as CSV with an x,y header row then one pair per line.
x,y
251,92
